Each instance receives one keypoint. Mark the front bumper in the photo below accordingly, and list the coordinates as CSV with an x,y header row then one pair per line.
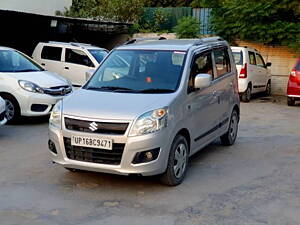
x,y
133,145
27,99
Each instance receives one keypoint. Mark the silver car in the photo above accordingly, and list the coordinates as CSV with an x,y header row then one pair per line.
x,y
148,107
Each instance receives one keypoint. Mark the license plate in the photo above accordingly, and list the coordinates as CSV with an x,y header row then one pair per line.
x,y
91,142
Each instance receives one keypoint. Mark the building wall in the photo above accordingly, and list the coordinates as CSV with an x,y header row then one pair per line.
x,y
282,59
44,7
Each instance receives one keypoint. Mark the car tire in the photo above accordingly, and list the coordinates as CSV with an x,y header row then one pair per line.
x,y
246,96
268,88
13,111
290,101
230,136
177,162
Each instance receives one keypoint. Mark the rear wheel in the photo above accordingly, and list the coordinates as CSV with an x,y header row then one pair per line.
x,y
230,136
13,111
177,163
268,88
290,101
246,96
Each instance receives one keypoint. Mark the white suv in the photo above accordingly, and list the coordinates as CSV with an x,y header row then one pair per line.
x,y
254,76
70,60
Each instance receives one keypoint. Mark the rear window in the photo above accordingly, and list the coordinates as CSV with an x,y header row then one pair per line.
x,y
51,53
238,57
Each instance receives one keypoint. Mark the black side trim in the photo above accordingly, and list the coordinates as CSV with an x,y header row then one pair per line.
x,y
258,86
212,130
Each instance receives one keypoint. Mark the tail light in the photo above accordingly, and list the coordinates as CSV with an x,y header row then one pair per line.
x,y
293,72
243,73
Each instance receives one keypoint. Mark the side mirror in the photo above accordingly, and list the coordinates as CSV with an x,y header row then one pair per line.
x,y
202,80
268,64
89,74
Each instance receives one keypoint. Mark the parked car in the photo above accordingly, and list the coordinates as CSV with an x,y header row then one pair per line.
x,y
293,88
70,60
2,112
253,72
173,98
26,87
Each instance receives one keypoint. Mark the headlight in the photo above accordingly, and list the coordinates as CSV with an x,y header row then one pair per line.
x,y
29,86
150,122
55,117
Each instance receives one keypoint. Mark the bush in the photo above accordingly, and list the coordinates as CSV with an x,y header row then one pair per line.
x,y
187,27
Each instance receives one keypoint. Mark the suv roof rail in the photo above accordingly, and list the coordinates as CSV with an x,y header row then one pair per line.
x,y
144,39
208,39
77,44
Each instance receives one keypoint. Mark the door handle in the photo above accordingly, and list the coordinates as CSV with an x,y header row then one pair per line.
x,y
67,68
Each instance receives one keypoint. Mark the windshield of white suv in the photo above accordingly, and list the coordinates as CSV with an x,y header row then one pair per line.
x,y
98,54
12,61
238,57
142,71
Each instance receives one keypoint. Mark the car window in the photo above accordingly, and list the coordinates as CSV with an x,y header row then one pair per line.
x,y
98,54
238,57
260,60
13,61
145,71
222,61
202,63
252,59
78,57
51,53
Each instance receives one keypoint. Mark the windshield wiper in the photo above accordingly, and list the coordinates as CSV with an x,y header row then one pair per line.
x,y
156,90
110,88
26,70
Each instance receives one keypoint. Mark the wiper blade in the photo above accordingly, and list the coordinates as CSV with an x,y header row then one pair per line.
x,y
156,90
26,70
110,88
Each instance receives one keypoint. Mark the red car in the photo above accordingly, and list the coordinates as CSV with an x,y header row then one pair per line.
x,y
293,88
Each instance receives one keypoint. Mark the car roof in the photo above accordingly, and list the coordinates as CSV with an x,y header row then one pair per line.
x,y
172,44
73,44
244,48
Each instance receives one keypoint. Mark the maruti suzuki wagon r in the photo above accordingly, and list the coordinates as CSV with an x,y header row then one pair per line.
x,y
147,108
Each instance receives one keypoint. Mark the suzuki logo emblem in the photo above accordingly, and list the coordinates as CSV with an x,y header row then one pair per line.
x,y
93,126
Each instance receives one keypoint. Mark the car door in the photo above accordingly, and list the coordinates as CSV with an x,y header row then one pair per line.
x,y
202,104
51,59
253,74
223,84
76,64
262,72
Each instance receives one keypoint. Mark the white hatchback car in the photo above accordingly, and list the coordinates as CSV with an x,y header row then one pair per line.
x,y
70,60
26,87
2,112
254,76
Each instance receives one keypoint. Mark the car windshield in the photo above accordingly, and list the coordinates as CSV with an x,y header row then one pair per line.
x,y
238,57
142,71
13,61
98,54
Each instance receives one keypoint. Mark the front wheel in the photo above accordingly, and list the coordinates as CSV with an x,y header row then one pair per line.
x,y
12,109
230,136
177,163
268,88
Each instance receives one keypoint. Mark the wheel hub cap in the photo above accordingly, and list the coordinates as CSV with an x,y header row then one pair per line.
x,y
180,160
10,110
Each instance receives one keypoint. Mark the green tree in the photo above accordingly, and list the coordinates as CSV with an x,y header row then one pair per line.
x,y
269,22
167,3
187,27
112,10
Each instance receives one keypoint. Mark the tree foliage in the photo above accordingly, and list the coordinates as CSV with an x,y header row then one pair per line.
x,y
167,3
187,27
269,22
111,10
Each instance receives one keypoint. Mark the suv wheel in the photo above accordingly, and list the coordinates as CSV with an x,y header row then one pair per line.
x,y
290,101
177,163
268,88
230,136
12,108
246,96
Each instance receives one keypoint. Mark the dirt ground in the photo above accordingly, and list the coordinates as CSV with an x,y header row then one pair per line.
x,y
254,182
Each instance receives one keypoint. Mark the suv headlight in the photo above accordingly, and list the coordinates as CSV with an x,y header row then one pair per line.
x,y
55,117
150,122
29,86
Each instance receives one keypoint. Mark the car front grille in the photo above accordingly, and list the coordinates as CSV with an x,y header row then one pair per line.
x,y
96,127
58,91
94,155
2,116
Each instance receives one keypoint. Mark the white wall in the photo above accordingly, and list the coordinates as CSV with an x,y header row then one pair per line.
x,y
44,7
